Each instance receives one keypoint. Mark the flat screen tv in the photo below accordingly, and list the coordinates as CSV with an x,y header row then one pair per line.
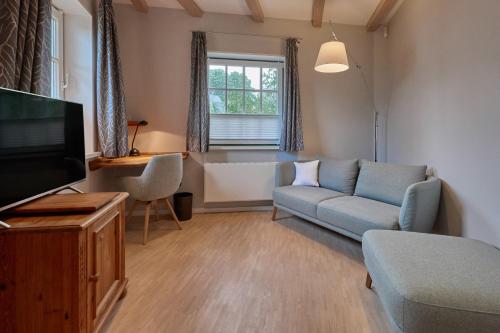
x,y
42,146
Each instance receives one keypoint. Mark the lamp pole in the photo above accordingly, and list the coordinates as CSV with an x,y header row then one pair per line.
x,y
367,87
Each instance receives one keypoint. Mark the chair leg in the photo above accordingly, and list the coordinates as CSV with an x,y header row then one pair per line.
x,y
157,210
146,223
169,206
131,209
368,282
275,211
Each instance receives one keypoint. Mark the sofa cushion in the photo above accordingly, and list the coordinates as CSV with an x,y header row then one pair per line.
x,y
339,175
306,173
358,214
435,283
387,182
303,198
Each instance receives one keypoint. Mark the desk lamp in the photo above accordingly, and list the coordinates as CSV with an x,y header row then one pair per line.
x,y
135,151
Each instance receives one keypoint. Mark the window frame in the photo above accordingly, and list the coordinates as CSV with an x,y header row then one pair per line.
x,y
57,59
247,60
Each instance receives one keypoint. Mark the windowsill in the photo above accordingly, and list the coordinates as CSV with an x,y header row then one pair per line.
x,y
90,156
244,147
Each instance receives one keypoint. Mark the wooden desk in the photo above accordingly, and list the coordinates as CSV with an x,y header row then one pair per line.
x,y
126,162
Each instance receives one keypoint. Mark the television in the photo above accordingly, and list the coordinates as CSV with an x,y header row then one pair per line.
x,y
42,146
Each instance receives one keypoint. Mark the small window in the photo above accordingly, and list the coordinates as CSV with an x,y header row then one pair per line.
x,y
245,96
56,55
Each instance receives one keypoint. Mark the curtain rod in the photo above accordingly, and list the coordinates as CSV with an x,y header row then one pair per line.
x,y
252,35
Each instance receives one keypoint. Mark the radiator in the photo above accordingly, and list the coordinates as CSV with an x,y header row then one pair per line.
x,y
231,182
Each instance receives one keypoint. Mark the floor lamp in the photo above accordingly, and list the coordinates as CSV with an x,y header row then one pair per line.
x,y
334,58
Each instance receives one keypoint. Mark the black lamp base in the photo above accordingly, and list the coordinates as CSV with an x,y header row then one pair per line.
x,y
134,152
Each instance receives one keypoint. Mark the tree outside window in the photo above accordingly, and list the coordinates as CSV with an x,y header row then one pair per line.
x,y
249,90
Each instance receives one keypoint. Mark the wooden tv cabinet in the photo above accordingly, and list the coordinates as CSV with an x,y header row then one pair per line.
x,y
62,273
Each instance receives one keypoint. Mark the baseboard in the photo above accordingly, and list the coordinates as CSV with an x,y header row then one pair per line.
x,y
140,212
231,209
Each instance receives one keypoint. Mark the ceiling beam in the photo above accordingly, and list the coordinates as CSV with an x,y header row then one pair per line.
x,y
191,7
140,5
378,17
317,13
256,10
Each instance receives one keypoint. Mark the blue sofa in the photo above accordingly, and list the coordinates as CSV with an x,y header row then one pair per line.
x,y
354,197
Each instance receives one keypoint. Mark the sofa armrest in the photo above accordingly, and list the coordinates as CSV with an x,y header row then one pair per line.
x,y
420,206
285,174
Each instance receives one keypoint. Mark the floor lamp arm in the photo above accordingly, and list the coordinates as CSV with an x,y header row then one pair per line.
x,y
374,107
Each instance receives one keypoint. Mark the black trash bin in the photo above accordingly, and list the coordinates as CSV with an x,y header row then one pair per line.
x,y
183,205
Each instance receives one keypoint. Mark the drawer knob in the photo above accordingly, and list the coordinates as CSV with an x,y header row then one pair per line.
x,y
94,277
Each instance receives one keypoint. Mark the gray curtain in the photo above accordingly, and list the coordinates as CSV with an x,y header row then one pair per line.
x,y
291,119
111,112
198,118
25,38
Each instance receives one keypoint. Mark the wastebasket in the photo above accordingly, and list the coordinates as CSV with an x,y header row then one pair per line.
x,y
183,205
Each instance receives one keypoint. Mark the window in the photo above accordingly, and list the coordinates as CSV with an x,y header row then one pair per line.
x,y
245,98
56,55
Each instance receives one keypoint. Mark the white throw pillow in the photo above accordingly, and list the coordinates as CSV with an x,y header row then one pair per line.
x,y
306,173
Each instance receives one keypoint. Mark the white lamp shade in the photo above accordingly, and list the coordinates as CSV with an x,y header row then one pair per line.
x,y
332,58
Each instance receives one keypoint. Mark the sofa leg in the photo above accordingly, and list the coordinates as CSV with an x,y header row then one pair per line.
x,y
275,211
368,282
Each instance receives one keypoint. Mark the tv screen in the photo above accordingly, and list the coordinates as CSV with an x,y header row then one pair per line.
x,y
42,146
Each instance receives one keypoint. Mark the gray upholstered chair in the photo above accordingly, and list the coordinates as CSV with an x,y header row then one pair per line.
x,y
160,179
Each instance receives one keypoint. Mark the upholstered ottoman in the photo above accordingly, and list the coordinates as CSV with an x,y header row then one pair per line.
x,y
433,283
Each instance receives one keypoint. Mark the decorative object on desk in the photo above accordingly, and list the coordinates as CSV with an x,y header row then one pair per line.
x,y
333,58
135,151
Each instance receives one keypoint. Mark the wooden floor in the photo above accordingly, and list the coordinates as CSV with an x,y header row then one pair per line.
x,y
241,272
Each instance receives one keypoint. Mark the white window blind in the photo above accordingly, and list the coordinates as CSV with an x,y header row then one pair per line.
x,y
245,99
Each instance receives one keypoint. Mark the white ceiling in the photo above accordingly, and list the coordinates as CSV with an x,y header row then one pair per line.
x,y
340,11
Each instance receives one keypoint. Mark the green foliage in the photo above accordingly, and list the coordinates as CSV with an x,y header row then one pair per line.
x,y
236,103
270,102
217,77
269,78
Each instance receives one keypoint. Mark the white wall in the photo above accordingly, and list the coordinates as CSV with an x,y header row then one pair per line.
x,y
444,106
79,68
155,53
